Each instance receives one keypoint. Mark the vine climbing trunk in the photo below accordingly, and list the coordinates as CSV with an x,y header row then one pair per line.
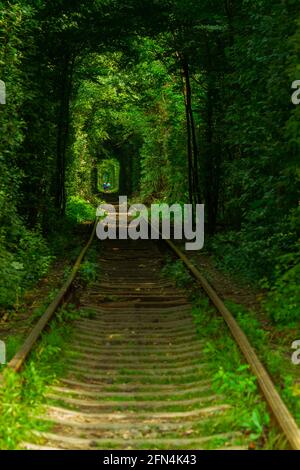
x,y
190,157
192,146
209,176
66,76
212,160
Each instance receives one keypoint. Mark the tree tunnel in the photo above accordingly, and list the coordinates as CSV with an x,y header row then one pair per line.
x,y
121,170
108,176
149,64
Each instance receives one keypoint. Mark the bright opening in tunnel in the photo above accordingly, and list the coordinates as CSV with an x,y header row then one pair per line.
x,y
108,180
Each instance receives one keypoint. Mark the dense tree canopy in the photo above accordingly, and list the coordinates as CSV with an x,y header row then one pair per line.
x,y
192,98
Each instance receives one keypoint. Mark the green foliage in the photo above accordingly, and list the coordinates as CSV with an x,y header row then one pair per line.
x,y
236,251
235,383
249,324
163,153
21,265
233,378
80,210
240,384
283,301
178,272
34,256
276,359
259,179
11,273
109,172
134,112
230,376
78,95
21,395
88,271
13,411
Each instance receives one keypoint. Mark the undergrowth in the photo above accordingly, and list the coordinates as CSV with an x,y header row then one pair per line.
x,y
276,269
22,263
79,210
231,377
27,255
22,395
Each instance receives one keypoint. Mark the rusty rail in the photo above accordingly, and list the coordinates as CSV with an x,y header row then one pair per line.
x,y
283,416
19,358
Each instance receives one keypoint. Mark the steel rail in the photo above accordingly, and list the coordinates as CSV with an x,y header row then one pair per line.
x,y
280,411
19,358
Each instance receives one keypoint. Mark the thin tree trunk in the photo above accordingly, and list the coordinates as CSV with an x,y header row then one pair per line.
x,y
63,131
192,147
213,152
209,183
189,153
195,152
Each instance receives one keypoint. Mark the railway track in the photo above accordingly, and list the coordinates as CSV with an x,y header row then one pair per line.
x,y
136,377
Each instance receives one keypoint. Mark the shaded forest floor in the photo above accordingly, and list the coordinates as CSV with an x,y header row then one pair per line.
x,y
225,285
16,323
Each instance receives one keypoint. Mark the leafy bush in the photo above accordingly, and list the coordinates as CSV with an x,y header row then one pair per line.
x,y
34,255
22,264
11,273
269,256
283,302
88,271
177,271
252,252
79,210
249,323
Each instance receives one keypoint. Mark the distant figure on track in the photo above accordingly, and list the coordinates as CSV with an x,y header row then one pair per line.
x,y
106,186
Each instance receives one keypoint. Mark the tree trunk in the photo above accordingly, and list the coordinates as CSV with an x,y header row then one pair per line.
x,y
192,146
63,129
